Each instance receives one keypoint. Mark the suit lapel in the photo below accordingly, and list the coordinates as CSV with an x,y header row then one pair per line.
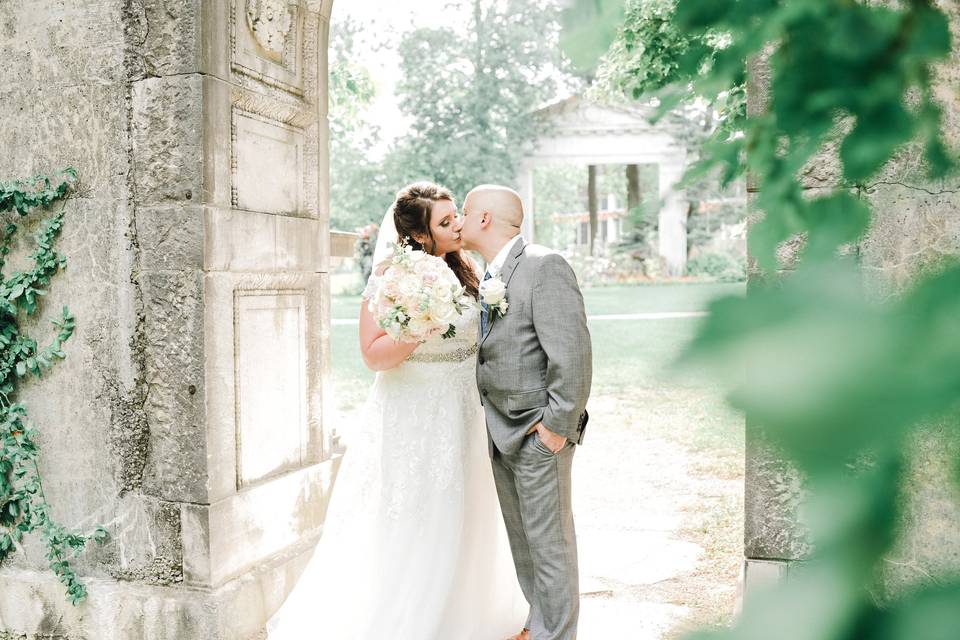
x,y
509,266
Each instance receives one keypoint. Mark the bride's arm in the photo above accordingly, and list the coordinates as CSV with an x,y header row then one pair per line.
x,y
380,351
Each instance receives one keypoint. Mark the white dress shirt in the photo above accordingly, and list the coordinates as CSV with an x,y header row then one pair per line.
x,y
497,263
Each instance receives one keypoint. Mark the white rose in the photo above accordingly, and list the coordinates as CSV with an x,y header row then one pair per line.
x,y
443,312
419,327
493,291
442,292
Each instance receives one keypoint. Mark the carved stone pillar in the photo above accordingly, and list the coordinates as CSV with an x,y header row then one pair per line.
x,y
914,227
200,256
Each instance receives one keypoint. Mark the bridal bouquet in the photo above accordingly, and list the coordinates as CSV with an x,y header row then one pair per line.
x,y
416,296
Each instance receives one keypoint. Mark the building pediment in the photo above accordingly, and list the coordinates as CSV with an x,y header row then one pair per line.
x,y
578,115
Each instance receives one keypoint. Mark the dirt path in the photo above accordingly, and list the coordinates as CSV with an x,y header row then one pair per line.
x,y
658,493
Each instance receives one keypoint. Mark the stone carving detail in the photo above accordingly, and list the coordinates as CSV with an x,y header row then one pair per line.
x,y
266,42
270,22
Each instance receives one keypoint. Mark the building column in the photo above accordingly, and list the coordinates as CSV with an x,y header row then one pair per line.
x,y
672,226
525,189
592,206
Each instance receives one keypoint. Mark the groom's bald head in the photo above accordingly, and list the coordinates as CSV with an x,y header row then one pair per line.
x,y
492,215
503,203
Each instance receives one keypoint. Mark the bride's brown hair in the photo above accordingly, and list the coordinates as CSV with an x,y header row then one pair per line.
x,y
412,210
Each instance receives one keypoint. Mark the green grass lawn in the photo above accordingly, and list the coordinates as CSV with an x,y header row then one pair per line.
x,y
628,354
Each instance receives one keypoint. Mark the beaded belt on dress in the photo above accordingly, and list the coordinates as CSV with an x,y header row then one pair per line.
x,y
458,355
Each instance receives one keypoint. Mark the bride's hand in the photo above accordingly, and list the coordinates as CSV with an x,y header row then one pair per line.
x,y
380,352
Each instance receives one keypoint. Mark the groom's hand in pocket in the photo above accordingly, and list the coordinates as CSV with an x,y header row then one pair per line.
x,y
553,441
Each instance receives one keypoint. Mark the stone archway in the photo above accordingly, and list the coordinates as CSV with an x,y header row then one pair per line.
x,y
586,133
190,416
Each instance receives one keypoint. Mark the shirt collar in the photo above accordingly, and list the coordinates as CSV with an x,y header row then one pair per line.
x,y
497,263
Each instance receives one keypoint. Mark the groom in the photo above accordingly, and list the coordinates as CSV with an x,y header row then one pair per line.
x,y
533,370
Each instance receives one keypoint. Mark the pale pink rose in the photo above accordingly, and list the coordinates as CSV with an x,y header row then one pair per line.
x,y
421,267
391,290
408,285
411,303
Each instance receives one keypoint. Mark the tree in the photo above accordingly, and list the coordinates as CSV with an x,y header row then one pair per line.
x,y
472,96
360,188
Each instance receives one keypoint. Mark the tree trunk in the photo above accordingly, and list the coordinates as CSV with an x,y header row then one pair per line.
x,y
592,204
633,187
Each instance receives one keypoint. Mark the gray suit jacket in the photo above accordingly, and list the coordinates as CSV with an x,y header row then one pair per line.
x,y
535,363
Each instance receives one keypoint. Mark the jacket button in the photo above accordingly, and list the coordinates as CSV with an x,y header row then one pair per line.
x,y
482,361
483,392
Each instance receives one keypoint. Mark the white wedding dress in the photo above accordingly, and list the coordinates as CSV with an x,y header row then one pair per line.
x,y
414,546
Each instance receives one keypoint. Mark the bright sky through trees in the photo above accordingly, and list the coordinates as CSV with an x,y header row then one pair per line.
x,y
383,22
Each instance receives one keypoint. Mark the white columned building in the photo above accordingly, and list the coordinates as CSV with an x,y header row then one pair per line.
x,y
586,133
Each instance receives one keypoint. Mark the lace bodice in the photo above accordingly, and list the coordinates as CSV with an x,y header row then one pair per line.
x,y
456,349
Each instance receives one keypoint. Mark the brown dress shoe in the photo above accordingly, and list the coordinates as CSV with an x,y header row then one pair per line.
x,y
523,635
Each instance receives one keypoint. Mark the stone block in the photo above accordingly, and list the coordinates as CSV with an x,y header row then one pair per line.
x,y
774,490
32,604
165,36
217,143
166,133
45,43
79,126
145,544
240,241
176,467
300,245
761,575
928,549
913,231
170,237
229,537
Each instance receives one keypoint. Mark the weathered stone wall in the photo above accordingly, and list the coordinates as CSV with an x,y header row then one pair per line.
x,y
915,226
199,131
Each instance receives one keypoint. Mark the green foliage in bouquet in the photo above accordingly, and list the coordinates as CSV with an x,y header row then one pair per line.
x,y
23,505
839,382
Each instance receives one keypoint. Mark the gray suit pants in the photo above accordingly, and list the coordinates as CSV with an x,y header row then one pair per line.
x,y
534,489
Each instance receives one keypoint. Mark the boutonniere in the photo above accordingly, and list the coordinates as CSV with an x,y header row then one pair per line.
x,y
493,293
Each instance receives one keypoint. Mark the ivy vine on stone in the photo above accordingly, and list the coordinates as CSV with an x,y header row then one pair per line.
x,y
23,505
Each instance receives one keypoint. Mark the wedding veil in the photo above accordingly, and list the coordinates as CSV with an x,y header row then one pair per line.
x,y
385,237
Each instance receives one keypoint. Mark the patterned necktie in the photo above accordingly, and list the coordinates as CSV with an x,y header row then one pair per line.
x,y
484,310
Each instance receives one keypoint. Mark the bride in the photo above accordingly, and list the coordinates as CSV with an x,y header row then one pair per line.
x,y
414,547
